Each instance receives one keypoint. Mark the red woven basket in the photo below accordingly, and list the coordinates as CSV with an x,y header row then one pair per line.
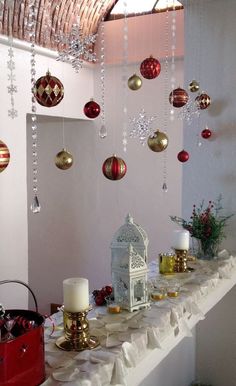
x,y
22,358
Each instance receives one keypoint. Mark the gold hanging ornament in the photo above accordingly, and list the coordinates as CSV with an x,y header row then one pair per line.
x,y
64,160
134,82
193,86
158,141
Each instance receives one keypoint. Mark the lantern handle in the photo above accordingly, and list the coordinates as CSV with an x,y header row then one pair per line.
x,y
24,284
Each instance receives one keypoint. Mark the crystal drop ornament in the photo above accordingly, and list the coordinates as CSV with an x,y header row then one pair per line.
x,y
164,187
103,132
35,206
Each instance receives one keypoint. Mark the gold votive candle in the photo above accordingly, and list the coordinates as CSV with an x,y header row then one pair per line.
x,y
113,308
166,263
172,293
156,295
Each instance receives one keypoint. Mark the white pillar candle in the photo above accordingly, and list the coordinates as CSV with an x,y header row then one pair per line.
x,y
181,240
75,294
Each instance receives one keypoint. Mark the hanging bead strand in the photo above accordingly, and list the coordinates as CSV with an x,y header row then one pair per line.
x,y
166,78
173,48
35,206
125,78
103,130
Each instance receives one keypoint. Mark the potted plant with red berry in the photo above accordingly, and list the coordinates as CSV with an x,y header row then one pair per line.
x,y
207,226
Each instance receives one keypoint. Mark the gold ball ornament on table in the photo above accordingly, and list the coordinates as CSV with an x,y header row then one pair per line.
x,y
134,82
4,156
158,141
193,86
64,160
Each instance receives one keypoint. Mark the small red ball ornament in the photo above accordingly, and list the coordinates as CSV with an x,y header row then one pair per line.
x,y
203,101
114,168
150,68
4,156
206,133
178,97
92,109
183,156
49,90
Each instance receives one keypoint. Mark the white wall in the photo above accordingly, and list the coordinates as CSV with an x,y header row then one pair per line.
x,y
210,40
13,192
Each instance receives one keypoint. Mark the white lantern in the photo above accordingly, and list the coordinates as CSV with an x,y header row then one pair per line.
x,y
129,266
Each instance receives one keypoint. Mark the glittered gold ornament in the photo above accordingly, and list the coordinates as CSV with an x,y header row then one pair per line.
x,y
193,86
134,82
64,160
158,141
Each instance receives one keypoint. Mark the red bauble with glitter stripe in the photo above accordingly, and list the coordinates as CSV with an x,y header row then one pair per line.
x,y
150,68
4,156
92,109
178,97
114,168
49,90
203,101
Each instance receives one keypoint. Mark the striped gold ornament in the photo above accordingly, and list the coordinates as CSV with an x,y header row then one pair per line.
x,y
4,156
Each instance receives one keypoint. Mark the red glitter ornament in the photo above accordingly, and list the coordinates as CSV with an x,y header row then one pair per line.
x,y
203,101
49,90
92,109
183,156
206,133
114,168
4,156
150,68
178,97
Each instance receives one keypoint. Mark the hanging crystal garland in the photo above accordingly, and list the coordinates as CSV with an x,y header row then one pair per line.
x,y
35,206
165,80
173,48
102,130
125,78
11,88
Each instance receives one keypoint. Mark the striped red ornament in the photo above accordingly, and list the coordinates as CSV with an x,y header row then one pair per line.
x,y
114,168
178,97
4,156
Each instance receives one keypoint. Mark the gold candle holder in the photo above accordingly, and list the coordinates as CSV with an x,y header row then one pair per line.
x,y
76,332
181,260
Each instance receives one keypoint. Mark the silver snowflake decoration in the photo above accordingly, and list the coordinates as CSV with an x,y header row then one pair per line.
x,y
75,48
189,111
11,88
141,127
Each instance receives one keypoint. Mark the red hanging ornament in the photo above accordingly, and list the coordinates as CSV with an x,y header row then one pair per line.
x,y
114,168
183,156
178,97
150,68
91,109
49,90
206,133
4,156
203,101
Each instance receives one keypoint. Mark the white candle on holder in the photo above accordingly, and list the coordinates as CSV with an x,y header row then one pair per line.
x,y
181,240
75,294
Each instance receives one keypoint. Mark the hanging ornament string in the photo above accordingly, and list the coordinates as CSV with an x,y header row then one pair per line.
x,y
165,79
124,78
35,206
103,130
173,48
11,88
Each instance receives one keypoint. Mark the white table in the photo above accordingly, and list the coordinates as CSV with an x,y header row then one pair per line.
x,y
132,345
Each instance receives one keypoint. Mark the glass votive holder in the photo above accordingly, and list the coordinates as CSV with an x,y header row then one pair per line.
x,y
159,291
166,263
173,289
112,306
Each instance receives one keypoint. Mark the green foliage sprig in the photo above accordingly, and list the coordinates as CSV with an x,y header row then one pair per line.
x,y
206,223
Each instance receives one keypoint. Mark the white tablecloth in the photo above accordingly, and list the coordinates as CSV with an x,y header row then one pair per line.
x,y
126,338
